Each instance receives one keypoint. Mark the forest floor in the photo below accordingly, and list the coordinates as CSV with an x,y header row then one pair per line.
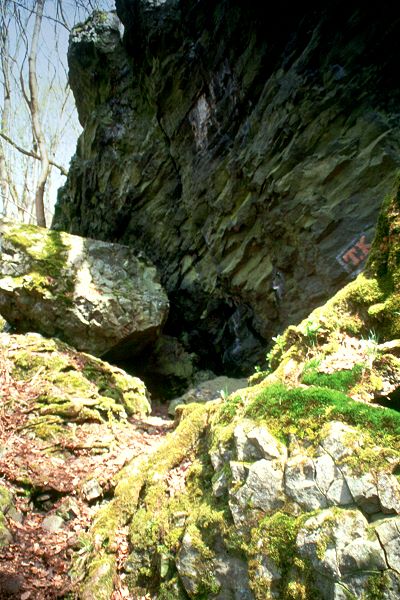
x,y
67,478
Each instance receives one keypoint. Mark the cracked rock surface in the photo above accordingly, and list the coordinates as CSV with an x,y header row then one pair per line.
x,y
99,297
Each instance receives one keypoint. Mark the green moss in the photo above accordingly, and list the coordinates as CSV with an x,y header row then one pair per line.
x,y
73,385
161,519
48,428
100,581
230,408
113,383
341,380
141,475
5,535
5,499
172,590
308,408
275,539
376,587
158,525
48,251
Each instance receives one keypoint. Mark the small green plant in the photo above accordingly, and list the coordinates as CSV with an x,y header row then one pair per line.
x,y
372,342
230,408
277,348
224,393
279,341
311,332
84,544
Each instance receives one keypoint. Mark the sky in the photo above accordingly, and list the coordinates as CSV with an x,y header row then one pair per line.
x,y
57,107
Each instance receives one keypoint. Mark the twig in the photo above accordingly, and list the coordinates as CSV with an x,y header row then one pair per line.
x,y
32,154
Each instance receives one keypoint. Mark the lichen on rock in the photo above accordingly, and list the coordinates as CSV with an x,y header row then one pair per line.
x,y
99,297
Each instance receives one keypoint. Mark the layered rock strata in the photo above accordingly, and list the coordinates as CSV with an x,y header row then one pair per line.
x,y
247,153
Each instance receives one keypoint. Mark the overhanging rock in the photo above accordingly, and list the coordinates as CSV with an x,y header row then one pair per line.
x,y
97,296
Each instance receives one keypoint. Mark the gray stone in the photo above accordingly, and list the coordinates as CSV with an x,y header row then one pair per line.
x,y
220,483
388,487
91,489
232,575
189,564
69,509
339,493
255,442
340,440
342,551
330,481
229,572
362,554
15,515
212,389
263,491
323,538
239,471
53,523
301,485
388,532
221,456
270,574
364,492
58,285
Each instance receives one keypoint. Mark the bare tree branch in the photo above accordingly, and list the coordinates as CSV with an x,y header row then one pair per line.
x,y
32,154
37,12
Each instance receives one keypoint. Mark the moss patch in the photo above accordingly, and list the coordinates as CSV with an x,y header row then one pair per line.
x,y
141,496
299,408
341,380
274,540
48,252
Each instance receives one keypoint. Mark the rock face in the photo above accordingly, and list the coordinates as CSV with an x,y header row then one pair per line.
x,y
246,151
318,524
99,297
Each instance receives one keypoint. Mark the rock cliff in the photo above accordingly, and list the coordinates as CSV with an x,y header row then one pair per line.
x,y
246,151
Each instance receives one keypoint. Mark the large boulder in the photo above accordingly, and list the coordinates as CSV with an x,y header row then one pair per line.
x,y
99,297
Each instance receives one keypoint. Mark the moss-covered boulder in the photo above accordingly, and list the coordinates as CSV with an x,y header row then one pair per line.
x,y
69,413
72,386
96,296
256,504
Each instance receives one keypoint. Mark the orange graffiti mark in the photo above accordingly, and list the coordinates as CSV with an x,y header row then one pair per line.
x,y
358,252
353,256
363,246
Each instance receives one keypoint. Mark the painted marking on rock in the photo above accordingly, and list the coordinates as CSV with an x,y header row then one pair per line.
x,y
352,257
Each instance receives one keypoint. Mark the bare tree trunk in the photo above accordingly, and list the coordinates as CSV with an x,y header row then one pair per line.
x,y
35,114
4,176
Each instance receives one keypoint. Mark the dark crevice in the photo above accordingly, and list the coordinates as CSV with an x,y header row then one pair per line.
x,y
173,161
392,400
